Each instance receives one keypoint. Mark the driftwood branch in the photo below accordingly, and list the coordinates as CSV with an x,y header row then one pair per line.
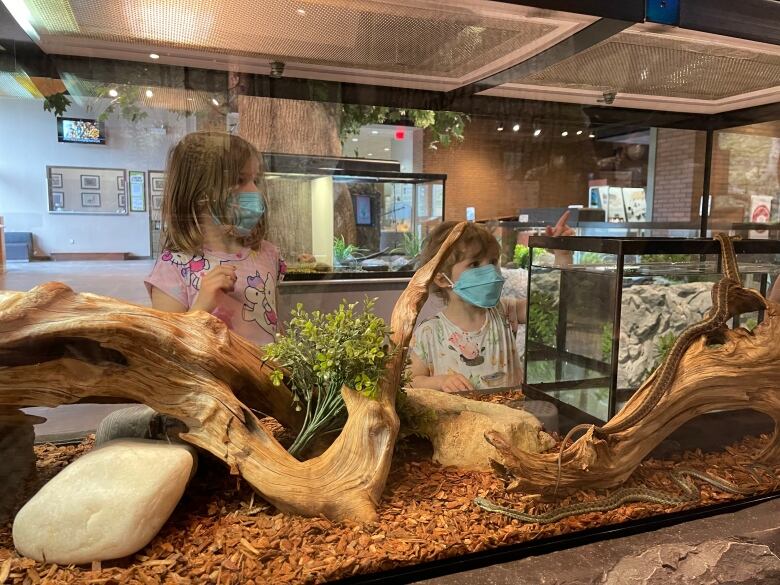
x,y
737,369
59,347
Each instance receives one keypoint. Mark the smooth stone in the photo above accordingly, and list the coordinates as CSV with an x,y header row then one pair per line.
x,y
107,504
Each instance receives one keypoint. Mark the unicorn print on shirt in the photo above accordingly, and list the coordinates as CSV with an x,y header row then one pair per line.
x,y
259,307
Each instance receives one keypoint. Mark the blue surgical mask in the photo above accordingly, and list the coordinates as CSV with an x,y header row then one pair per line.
x,y
480,286
248,209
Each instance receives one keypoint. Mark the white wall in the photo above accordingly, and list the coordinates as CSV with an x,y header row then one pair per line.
x,y
29,144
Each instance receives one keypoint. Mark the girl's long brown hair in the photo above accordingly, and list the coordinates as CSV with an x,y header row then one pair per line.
x,y
202,171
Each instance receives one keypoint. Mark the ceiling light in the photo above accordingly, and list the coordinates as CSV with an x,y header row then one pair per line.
x,y
375,132
154,56
579,132
591,135
301,12
190,100
387,149
354,140
516,127
214,101
500,128
564,133
370,154
149,93
537,131
113,92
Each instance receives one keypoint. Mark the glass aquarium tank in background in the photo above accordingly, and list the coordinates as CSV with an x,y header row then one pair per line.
x,y
349,216
600,325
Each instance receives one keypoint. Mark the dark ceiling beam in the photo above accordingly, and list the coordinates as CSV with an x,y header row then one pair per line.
x,y
591,35
754,20
631,10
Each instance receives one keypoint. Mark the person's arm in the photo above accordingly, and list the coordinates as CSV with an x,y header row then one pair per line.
x,y
515,310
421,378
164,302
561,228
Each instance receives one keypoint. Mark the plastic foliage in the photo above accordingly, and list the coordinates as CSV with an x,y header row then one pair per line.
x,y
57,103
445,128
521,256
410,245
321,353
343,252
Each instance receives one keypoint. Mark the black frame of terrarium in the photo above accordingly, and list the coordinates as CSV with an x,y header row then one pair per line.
x,y
620,248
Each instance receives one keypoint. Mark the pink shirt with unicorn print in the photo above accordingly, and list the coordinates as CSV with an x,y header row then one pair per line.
x,y
250,310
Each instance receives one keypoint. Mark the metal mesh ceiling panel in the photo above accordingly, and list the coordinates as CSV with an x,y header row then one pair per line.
x,y
359,35
647,65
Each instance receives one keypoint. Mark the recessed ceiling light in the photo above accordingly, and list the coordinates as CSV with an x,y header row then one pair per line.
x,y
354,140
190,100
214,101
149,93
113,92
579,132
564,133
387,149
516,127
537,131
591,135
370,154
500,128
301,11
154,56
375,132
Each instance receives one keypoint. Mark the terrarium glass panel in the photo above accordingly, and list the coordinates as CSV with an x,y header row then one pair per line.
x,y
600,323
349,216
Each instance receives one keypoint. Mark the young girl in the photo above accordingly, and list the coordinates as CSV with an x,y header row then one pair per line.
x,y
470,344
214,220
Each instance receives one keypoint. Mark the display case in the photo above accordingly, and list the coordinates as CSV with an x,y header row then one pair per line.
x,y
599,325
349,218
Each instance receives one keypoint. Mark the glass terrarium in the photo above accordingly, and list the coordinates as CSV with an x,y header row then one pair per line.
x,y
601,323
349,216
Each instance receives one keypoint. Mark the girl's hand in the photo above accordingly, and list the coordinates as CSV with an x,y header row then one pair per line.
x,y
454,383
220,280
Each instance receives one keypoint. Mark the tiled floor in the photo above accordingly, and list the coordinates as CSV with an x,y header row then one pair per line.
x,y
123,280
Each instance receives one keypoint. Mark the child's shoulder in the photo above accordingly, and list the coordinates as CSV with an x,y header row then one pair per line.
x,y
429,325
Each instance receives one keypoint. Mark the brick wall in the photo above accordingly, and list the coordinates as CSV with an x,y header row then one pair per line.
x,y
500,172
679,174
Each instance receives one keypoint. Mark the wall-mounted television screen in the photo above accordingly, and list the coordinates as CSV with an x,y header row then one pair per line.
x,y
81,130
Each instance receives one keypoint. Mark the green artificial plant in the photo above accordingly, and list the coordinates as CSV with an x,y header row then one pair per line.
x,y
410,246
321,352
446,128
521,256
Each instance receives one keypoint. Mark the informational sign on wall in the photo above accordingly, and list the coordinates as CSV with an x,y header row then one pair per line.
x,y
137,180
760,211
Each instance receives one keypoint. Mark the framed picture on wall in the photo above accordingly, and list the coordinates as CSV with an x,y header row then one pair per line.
x,y
121,201
120,183
57,199
90,182
90,199
157,202
137,190
158,183
363,210
56,181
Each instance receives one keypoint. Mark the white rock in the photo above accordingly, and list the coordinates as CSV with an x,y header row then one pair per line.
x,y
105,505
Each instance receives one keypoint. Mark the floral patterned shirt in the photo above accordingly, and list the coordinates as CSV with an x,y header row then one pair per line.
x,y
250,310
487,357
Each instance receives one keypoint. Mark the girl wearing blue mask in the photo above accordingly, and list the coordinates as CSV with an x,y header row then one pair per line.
x,y
215,257
470,344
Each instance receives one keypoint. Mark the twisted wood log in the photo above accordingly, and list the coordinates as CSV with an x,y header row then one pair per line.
x,y
59,347
733,370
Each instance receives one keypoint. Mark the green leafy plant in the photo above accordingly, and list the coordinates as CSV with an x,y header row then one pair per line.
x,y
446,128
320,353
343,252
663,346
57,103
126,102
664,258
606,342
521,257
542,318
411,244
